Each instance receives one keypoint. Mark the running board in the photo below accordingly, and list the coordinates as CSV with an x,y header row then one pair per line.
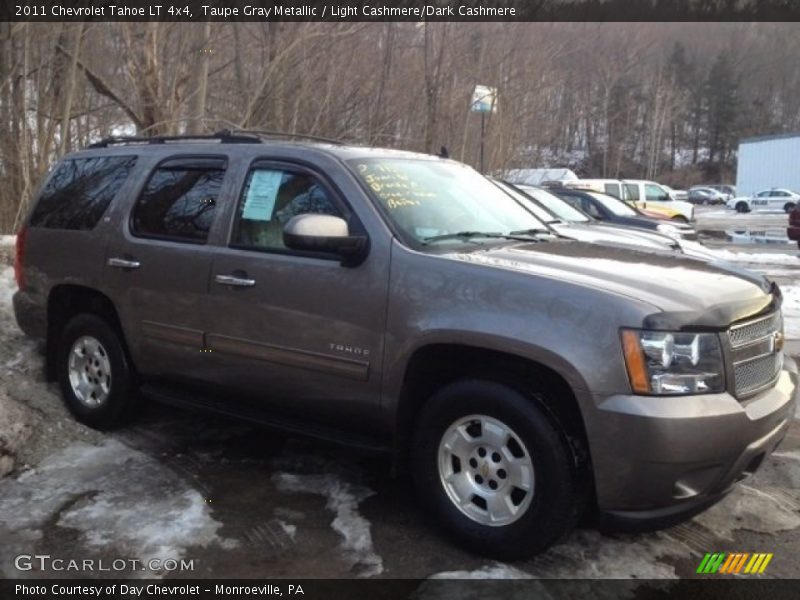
x,y
175,397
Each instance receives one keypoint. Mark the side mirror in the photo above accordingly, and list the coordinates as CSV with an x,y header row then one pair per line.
x,y
324,233
665,197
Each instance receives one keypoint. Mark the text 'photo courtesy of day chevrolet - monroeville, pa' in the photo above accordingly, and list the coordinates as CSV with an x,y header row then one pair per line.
x,y
411,300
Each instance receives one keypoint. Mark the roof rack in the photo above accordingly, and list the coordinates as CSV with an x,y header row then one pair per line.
x,y
224,136
282,134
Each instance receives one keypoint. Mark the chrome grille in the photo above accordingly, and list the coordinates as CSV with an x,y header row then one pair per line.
x,y
746,333
755,374
757,353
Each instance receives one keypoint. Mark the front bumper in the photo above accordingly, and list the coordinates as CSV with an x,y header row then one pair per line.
x,y
660,460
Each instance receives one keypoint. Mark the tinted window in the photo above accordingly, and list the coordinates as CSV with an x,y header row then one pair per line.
x,y
179,202
79,191
271,197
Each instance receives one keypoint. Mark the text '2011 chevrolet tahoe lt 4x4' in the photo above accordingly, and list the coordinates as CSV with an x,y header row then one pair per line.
x,y
403,302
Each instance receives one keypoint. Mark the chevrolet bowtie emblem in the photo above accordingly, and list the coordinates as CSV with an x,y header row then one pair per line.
x,y
777,341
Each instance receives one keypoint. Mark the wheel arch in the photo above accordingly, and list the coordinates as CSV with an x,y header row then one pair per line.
x,y
434,365
68,300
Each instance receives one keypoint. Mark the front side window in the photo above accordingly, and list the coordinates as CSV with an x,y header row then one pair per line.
x,y
270,198
425,199
179,201
79,191
655,192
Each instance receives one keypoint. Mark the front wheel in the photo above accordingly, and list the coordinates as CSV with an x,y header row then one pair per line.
x,y
494,469
94,373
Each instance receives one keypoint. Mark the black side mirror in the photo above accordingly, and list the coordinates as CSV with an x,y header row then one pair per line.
x,y
325,233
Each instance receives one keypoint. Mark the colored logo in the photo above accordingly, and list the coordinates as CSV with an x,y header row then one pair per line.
x,y
734,562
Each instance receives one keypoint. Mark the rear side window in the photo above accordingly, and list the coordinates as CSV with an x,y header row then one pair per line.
x,y
612,189
633,191
79,192
179,201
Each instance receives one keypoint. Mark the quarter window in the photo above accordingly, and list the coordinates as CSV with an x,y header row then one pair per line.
x,y
179,201
79,191
270,198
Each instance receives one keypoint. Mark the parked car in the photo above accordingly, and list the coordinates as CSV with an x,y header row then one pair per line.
x,y
676,194
571,223
403,303
772,199
612,210
727,189
653,196
617,189
704,195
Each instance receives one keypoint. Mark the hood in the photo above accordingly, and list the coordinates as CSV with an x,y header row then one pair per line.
x,y
609,234
687,292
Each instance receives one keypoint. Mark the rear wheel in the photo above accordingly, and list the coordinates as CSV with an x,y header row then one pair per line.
x,y
742,207
494,470
788,207
94,373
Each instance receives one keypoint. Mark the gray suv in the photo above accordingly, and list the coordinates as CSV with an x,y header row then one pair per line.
x,y
404,303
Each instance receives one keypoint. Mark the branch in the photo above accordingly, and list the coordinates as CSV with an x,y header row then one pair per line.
x,y
102,88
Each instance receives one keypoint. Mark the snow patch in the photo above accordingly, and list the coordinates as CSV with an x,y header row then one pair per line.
x,y
98,491
753,258
343,499
494,571
8,286
791,311
8,240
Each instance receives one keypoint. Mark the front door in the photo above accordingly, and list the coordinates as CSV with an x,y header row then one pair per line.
x,y
296,329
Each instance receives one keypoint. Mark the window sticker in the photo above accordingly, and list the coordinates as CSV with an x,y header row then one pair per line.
x,y
261,195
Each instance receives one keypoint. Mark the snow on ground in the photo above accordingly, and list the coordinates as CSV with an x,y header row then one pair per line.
x,y
8,240
343,499
791,311
97,491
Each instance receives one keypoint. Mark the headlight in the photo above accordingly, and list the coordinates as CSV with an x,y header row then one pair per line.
x,y
667,229
673,363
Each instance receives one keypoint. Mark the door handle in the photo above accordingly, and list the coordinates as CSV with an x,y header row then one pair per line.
x,y
234,281
122,263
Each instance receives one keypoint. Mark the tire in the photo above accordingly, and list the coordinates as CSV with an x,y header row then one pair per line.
x,y
742,207
680,219
788,207
544,514
94,373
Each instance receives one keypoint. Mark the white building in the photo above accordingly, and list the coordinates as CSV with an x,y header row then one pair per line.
x,y
770,161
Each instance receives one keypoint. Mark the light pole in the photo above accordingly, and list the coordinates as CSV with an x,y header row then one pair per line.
x,y
484,100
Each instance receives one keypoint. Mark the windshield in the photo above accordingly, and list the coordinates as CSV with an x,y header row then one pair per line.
x,y
555,205
427,199
616,206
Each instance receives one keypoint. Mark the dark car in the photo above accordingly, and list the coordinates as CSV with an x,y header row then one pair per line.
x,y
706,196
613,210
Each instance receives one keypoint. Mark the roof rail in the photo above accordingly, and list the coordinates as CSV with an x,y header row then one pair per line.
x,y
281,134
224,137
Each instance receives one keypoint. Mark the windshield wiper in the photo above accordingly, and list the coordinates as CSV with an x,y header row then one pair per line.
x,y
533,232
469,235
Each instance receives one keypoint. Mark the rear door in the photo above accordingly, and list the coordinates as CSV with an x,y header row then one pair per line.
x,y
291,329
159,264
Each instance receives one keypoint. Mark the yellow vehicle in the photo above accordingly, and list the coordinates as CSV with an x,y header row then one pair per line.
x,y
638,193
